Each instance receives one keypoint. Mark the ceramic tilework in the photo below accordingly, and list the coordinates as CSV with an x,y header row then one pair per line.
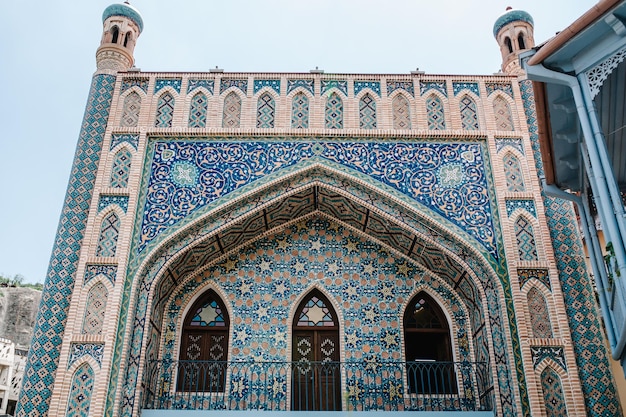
x,y
525,236
265,111
161,83
79,350
198,111
458,87
94,270
109,231
553,394
121,169
130,111
231,116
403,85
127,83
539,315
106,200
225,84
515,143
333,112
95,309
502,114
165,111
469,114
426,86
300,111
80,392
588,342
524,204
529,274
273,84
556,353
43,357
367,112
401,112
132,140
194,83
361,85
342,86
308,85
436,115
505,87
513,173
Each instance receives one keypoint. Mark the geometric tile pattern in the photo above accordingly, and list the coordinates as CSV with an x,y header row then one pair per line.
x,y
300,111
132,140
556,353
367,112
426,86
334,112
525,240
469,114
43,358
505,87
79,350
265,111
436,116
231,117
198,111
80,392
528,205
530,274
306,84
539,315
553,394
361,85
121,169
339,85
458,87
273,84
225,84
194,83
502,113
165,111
109,231
95,270
515,143
127,83
130,113
513,173
401,112
160,83
402,85
105,201
586,330
95,309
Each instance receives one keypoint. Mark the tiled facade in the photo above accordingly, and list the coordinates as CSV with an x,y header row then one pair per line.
x,y
264,187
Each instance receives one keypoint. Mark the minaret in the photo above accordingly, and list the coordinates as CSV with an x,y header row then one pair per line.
x,y
514,32
122,25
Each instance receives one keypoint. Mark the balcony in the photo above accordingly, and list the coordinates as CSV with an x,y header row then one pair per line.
x,y
463,388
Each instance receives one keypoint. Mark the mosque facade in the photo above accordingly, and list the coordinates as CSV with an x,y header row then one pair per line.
x,y
295,242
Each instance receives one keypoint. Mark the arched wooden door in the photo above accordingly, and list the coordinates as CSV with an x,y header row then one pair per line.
x,y
316,372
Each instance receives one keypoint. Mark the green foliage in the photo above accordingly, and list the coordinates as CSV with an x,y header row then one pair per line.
x,y
17,280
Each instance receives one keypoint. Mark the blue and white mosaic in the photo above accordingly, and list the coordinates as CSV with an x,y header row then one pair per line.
x,y
142,83
194,83
540,353
458,87
225,84
106,200
361,85
340,85
426,86
515,143
403,85
505,87
131,139
161,83
273,84
524,204
106,270
308,85
79,350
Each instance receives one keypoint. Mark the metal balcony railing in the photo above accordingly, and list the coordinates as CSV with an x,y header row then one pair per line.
x,y
323,386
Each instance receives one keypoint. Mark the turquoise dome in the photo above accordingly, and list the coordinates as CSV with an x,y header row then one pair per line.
x,y
511,16
125,10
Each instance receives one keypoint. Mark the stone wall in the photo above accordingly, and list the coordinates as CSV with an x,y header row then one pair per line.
x,y
18,309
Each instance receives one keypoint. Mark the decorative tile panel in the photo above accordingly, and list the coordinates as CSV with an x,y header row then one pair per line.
x,y
265,112
502,114
198,111
426,86
367,112
131,139
403,85
300,111
340,85
361,85
165,111
106,200
95,309
401,112
515,143
539,314
127,83
333,113
107,270
458,87
528,274
436,115
194,83
225,84
121,169
161,83
231,115
469,114
306,84
526,243
556,353
273,84
513,173
80,392
109,232
524,204
130,110
79,350
504,87
553,394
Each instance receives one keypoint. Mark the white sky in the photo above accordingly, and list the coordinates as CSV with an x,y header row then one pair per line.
x,y
47,58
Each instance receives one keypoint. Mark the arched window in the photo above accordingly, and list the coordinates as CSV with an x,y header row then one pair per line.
x,y
265,111
436,116
334,112
80,392
127,38
121,169
553,393
231,117
469,114
198,111
428,348
109,231
513,173
115,34
502,113
165,111
401,112
300,111
95,309
509,44
204,346
367,112
520,41
130,113
316,378
539,316
526,245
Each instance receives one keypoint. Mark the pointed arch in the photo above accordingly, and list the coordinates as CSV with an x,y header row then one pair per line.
x,y
502,114
165,111
109,232
526,245
469,113
80,392
115,34
401,112
198,110
130,111
520,41
539,314
265,111
231,115
367,112
334,112
509,44
121,168
513,173
95,309
300,111
554,400
128,38
436,113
